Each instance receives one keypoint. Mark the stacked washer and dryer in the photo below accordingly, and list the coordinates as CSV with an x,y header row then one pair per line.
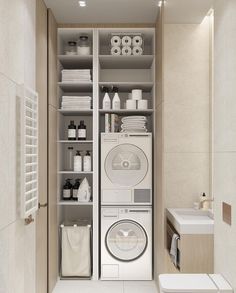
x,y
126,206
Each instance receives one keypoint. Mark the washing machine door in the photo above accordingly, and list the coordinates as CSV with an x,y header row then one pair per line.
x,y
126,240
126,165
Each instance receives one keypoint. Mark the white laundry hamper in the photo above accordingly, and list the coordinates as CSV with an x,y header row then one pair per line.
x,y
76,251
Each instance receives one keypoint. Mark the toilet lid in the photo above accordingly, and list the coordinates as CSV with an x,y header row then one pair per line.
x,y
186,283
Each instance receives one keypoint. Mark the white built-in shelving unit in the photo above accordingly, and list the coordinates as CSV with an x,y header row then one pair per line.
x,y
124,72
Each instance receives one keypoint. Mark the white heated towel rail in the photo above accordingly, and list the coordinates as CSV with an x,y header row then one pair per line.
x,y
29,151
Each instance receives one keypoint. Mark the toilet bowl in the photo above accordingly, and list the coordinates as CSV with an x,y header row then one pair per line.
x,y
191,283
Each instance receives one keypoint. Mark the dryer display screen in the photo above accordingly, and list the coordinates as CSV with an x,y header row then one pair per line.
x,y
126,240
126,165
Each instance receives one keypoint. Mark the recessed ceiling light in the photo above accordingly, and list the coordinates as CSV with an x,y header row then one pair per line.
x,y
82,3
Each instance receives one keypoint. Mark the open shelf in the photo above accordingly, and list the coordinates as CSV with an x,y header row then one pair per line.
x,y
126,62
76,86
76,173
75,141
74,203
125,111
76,61
126,86
75,112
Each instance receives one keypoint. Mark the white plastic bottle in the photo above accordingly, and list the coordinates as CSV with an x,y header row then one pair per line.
x,y
116,100
106,103
87,162
77,162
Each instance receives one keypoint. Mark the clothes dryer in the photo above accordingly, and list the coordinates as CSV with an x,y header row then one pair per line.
x,y
126,169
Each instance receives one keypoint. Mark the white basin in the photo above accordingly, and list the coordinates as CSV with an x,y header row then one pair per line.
x,y
191,221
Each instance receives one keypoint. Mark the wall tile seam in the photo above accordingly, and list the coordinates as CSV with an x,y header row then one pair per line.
x,y
9,79
9,224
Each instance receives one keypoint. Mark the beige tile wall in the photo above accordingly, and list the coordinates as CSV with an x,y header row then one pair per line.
x,y
17,59
224,157
186,113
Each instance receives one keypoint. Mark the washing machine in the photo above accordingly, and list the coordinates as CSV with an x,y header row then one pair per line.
x,y
126,243
126,168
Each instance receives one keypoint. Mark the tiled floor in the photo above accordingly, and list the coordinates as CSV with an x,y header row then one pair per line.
x,y
105,287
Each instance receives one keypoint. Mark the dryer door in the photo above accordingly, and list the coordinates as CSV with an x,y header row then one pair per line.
x,y
126,165
126,240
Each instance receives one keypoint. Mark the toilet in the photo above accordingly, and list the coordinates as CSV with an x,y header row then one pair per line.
x,y
189,283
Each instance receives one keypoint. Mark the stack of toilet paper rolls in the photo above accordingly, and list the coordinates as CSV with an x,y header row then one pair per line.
x,y
126,45
136,101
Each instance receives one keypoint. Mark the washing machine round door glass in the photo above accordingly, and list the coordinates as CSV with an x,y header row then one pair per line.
x,y
126,240
126,165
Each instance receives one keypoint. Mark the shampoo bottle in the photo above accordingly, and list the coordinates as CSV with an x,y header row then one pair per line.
x,y
87,162
106,103
75,189
82,131
116,99
72,131
78,162
67,190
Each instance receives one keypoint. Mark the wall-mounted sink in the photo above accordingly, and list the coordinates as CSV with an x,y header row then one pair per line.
x,y
191,221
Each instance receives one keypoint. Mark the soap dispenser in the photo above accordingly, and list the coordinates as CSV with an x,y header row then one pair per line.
x,y
116,99
204,204
67,190
106,103
87,162
75,189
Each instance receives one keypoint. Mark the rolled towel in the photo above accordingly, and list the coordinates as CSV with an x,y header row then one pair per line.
x,y
115,51
126,41
115,41
137,51
137,41
126,51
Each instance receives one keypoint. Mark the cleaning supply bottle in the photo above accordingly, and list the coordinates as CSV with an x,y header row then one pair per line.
x,y
87,162
106,103
71,131
116,99
78,162
67,190
82,131
75,189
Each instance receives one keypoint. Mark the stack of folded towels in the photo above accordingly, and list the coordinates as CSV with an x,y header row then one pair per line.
x,y
134,124
76,75
76,103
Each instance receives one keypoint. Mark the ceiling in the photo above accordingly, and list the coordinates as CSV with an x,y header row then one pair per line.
x,y
128,11
104,11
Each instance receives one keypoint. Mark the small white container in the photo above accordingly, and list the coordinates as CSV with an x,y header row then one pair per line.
x,y
116,100
142,104
137,94
84,51
131,105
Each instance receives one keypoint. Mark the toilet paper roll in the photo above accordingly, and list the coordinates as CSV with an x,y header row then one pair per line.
x,y
137,94
115,51
137,51
142,104
131,104
126,41
126,51
115,41
137,41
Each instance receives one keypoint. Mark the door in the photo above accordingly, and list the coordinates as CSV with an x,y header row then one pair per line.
x,y
41,87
